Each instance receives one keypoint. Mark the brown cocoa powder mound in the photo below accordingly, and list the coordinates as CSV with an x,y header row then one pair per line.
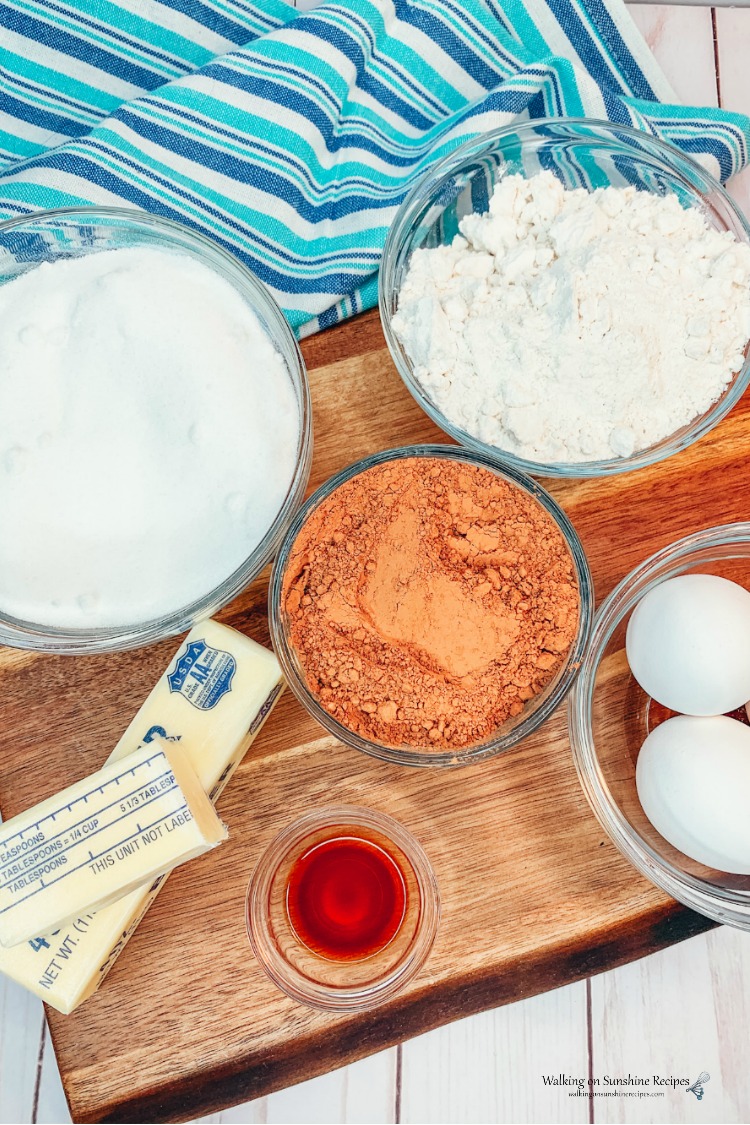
x,y
428,601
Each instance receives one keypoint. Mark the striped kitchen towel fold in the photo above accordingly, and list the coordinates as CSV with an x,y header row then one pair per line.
x,y
290,138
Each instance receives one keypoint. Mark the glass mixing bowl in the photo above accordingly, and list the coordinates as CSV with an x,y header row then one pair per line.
x,y
608,718
49,236
581,153
536,711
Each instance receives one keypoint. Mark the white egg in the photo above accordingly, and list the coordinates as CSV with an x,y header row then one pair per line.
x,y
688,644
693,781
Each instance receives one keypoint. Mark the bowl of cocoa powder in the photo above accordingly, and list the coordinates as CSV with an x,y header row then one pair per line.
x,y
430,605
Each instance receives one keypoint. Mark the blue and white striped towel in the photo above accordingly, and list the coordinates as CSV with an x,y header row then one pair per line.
x,y
291,138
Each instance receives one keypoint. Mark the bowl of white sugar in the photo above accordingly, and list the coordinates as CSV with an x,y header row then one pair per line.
x,y
572,294
155,429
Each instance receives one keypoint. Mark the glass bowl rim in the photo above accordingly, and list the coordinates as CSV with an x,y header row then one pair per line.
x,y
35,636
315,994
537,715
723,904
427,187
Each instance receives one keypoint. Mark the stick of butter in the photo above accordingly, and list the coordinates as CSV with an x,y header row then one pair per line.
x,y
98,839
213,708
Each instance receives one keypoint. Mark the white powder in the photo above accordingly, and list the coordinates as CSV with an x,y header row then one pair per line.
x,y
148,436
576,326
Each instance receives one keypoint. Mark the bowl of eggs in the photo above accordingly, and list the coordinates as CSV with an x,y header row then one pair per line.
x,y
659,726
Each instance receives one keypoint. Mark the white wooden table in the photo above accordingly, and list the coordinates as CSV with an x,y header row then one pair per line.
x,y
676,1013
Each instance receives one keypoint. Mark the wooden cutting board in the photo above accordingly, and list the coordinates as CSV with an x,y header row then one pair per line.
x,y
534,895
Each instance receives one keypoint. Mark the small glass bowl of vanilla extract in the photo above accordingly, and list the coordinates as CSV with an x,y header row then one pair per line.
x,y
342,909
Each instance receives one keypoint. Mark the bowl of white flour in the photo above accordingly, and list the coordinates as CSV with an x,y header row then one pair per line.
x,y
571,294
155,429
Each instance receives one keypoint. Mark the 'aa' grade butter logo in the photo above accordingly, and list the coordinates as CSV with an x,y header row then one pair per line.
x,y
203,674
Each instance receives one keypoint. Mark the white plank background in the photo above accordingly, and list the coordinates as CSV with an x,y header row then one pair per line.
x,y
678,1012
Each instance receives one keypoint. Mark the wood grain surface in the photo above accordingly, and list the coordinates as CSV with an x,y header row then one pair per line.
x,y
534,895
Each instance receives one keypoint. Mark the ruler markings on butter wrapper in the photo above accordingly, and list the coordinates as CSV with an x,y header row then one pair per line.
x,y
30,857
159,818
90,861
